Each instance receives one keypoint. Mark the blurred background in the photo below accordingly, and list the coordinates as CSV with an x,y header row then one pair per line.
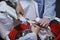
x,y
58,8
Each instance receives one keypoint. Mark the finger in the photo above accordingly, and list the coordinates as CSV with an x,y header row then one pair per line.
x,y
37,27
32,24
42,22
45,24
18,16
32,28
21,13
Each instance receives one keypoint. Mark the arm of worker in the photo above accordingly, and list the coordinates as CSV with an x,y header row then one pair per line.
x,y
49,12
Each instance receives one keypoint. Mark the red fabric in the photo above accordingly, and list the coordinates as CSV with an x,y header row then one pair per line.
x,y
17,29
12,34
58,37
55,28
24,26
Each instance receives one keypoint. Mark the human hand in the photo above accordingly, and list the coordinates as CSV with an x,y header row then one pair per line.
x,y
19,9
44,22
35,28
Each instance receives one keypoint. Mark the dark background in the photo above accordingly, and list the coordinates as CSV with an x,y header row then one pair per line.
x,y
58,8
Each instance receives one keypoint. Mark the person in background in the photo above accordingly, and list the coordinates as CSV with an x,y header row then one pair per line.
x,y
47,11
19,9
6,20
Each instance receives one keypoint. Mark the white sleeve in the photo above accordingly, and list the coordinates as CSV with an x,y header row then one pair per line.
x,y
49,11
30,36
